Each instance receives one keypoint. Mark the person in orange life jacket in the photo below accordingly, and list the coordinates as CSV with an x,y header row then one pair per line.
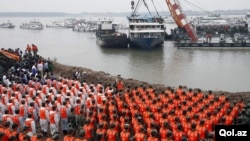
x,y
70,135
34,49
28,49
89,130
17,119
112,134
102,129
203,132
38,137
23,133
32,110
170,136
126,134
64,112
54,120
193,135
14,131
81,136
229,118
178,133
153,136
119,85
6,130
31,124
14,100
11,107
140,136
44,118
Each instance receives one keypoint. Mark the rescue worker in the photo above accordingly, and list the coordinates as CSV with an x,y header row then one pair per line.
x,y
153,136
30,122
193,135
64,112
17,119
89,130
23,133
34,49
28,49
202,130
125,135
112,134
70,135
44,118
140,136
54,120
119,85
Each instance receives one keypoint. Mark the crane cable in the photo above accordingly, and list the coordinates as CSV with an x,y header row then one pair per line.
x,y
147,7
199,7
155,8
136,7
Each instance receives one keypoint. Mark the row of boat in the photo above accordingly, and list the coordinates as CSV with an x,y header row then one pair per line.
x,y
77,25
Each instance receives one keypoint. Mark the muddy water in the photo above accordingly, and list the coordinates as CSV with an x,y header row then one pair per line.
x,y
227,70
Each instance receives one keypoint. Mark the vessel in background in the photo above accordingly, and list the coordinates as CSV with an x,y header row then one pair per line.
x,y
145,31
107,34
7,25
33,25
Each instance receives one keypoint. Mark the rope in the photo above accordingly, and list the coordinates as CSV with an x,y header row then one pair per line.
x,y
147,7
155,8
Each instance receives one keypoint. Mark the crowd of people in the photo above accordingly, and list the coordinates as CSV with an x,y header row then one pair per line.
x,y
37,106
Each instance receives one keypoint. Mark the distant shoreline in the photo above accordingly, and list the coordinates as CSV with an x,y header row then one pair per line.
x,y
64,14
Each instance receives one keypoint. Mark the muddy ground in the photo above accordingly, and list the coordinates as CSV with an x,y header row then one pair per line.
x,y
96,76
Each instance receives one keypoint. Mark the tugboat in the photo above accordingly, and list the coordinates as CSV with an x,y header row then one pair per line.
x,y
107,34
145,32
7,25
34,25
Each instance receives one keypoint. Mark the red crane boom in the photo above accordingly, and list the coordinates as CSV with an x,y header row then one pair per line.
x,y
180,18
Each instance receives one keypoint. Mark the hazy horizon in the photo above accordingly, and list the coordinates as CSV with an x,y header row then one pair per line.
x,y
117,6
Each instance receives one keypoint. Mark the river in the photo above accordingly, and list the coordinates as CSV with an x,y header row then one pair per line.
x,y
226,70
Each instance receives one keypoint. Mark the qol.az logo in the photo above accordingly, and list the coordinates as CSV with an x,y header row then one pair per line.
x,y
232,133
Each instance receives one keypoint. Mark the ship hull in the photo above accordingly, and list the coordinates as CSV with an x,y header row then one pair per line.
x,y
112,41
146,43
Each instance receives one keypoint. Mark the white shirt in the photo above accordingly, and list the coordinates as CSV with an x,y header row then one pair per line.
x,y
40,67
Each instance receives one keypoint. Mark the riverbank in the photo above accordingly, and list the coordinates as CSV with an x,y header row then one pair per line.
x,y
96,76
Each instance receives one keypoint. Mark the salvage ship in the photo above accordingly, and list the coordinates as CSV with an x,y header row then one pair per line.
x,y
107,34
147,31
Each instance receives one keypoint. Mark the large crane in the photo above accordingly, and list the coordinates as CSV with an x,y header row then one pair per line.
x,y
180,18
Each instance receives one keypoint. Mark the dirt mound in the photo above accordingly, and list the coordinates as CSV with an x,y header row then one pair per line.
x,y
96,76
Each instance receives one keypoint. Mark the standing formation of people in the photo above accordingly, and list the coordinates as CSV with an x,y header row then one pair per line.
x,y
40,108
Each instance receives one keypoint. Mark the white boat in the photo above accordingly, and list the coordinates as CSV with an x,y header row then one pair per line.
x,y
145,31
66,23
7,25
56,24
209,21
33,25
85,26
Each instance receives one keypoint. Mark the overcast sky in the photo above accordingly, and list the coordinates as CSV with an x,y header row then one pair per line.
x,y
76,6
